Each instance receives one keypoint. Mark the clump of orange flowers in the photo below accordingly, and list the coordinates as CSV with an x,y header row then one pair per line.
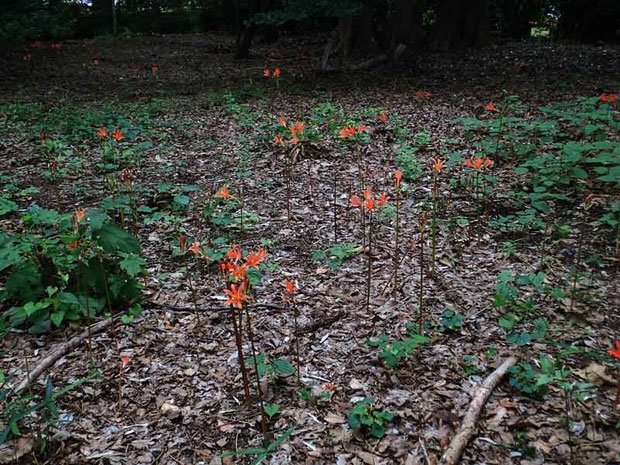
x,y
490,107
422,94
274,75
478,162
369,201
608,98
350,131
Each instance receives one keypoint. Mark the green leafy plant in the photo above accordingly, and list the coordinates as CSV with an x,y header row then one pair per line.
x,y
392,352
263,452
363,416
337,254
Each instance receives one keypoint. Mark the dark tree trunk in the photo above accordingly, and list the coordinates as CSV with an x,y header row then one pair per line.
x,y
461,24
247,31
356,33
102,11
407,21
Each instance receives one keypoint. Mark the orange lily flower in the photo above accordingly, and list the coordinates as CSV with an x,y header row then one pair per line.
x,y
615,352
125,359
367,194
225,266
240,272
383,117
234,253
154,68
297,128
276,73
294,140
266,73
383,200
398,176
612,98
290,286
195,248
102,132
437,165
330,387
427,95
355,201
182,241
419,94
278,140
490,107
223,193
236,295
117,135
74,245
282,121
370,204
347,131
487,161
255,258
80,213
475,163
361,128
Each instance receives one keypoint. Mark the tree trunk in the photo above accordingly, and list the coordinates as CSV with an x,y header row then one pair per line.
x,y
248,31
356,33
103,12
462,23
407,21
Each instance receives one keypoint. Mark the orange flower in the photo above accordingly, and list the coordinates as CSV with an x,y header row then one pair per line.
x,y
265,73
608,98
383,117
330,387
347,131
294,140
383,200
355,201
490,107
367,194
290,286
117,135
240,272
223,193
278,140
297,128
255,258
370,204
419,94
398,176
236,295
225,266
182,241
234,253
615,352
125,359
361,128
102,132
154,68
282,121
276,73
437,165
80,213
487,161
195,248
74,245
475,163
427,95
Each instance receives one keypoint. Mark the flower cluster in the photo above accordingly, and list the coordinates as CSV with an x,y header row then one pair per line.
x,y
421,94
369,203
478,163
235,269
350,131
274,75
296,130
117,135
490,107
608,98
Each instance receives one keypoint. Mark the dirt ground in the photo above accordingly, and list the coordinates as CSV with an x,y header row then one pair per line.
x,y
183,398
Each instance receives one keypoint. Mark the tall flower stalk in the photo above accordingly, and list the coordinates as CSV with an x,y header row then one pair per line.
x,y
398,176
422,224
291,290
437,166
587,204
367,207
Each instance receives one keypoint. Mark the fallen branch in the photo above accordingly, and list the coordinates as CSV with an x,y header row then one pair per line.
x,y
468,427
60,351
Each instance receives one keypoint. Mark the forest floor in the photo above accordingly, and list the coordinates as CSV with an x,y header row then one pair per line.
x,y
504,278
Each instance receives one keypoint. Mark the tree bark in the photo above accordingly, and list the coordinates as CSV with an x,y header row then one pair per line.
x,y
461,24
248,31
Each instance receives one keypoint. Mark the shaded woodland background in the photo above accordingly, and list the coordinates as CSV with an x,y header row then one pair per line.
x,y
350,27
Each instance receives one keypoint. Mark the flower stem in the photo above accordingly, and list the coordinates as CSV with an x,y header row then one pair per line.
x,y
369,271
434,223
259,391
396,245
239,343
421,297
576,272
